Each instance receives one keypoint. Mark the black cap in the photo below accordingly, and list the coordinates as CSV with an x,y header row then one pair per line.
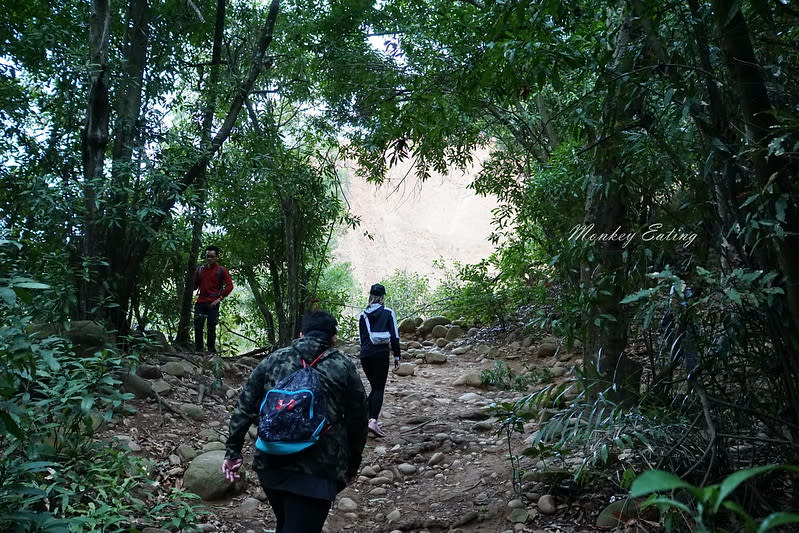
x,y
319,324
377,290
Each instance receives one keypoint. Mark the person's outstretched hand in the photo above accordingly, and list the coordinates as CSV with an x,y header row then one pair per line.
x,y
230,467
396,363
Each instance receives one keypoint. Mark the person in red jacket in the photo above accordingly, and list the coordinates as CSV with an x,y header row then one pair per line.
x,y
214,282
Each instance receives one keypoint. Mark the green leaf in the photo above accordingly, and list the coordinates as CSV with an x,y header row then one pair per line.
x,y
8,424
8,296
640,295
663,501
31,285
87,403
656,481
733,295
778,519
35,466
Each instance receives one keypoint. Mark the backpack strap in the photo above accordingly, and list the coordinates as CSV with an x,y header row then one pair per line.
x,y
368,327
321,355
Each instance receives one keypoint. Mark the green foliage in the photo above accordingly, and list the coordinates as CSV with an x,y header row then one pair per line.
x,y
54,476
503,377
703,513
408,294
471,292
336,289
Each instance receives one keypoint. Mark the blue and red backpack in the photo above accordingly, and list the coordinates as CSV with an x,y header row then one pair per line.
x,y
294,412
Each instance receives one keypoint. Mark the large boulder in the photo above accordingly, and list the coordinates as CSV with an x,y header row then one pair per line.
x,y
439,331
454,332
138,386
86,336
435,358
407,325
204,477
428,325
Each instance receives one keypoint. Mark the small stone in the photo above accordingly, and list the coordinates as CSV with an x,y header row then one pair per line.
x,y
186,452
161,387
393,516
174,459
209,434
435,459
407,469
405,369
347,505
192,411
368,471
546,504
470,397
518,516
173,368
378,491
515,504
249,506
213,445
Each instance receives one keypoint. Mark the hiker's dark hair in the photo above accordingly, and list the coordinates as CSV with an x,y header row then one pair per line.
x,y
214,249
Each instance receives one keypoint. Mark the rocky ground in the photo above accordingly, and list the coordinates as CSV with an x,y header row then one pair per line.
x,y
440,468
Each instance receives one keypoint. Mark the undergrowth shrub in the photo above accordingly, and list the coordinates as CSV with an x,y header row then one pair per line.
x,y
501,376
711,407
54,475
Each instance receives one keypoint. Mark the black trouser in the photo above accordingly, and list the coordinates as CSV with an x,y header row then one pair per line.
x,y
376,369
297,514
203,311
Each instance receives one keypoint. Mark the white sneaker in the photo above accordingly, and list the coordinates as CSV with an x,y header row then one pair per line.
x,y
376,427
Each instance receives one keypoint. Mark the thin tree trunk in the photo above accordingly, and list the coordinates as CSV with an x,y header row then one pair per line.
x,y
93,143
260,302
183,337
289,208
605,211
184,324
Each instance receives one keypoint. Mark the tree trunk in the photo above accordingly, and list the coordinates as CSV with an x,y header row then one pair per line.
x,y
777,172
184,324
249,275
605,211
94,140
184,334
289,207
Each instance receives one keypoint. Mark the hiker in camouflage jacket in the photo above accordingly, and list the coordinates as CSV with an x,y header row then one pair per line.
x,y
301,487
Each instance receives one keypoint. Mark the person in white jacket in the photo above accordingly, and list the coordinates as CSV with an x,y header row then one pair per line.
x,y
379,335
